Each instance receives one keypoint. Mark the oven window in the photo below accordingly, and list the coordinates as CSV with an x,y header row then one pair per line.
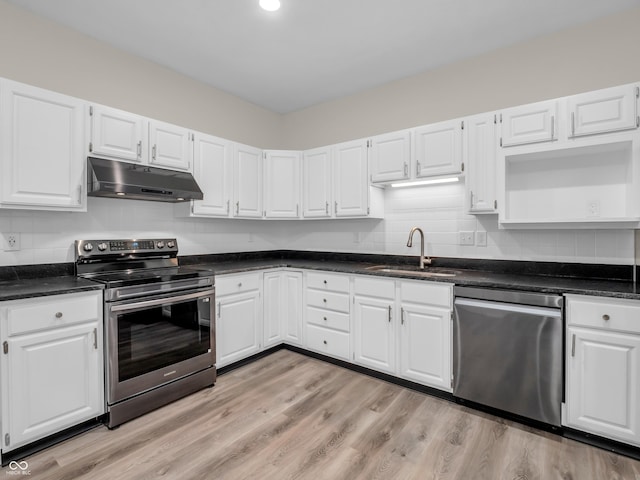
x,y
160,336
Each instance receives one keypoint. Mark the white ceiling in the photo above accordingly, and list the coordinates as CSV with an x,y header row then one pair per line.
x,y
312,51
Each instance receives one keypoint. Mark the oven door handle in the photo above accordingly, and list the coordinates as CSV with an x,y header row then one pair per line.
x,y
161,301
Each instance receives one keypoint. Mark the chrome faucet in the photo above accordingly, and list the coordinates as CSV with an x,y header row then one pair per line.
x,y
423,260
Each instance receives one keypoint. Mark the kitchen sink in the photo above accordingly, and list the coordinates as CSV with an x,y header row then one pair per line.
x,y
413,271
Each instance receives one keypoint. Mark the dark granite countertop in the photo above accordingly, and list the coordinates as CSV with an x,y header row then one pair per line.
x,y
607,281
600,280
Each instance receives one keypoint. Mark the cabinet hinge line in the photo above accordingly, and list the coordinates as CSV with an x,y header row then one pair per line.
x,y
5,347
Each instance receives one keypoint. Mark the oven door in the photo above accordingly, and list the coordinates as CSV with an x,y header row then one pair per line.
x,y
151,341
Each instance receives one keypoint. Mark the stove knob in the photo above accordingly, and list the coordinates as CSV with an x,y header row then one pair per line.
x,y
88,247
160,244
102,246
171,244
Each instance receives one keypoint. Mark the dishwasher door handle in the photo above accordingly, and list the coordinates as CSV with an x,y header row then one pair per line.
x,y
509,307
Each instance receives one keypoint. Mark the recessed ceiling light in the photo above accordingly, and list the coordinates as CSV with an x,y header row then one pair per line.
x,y
270,5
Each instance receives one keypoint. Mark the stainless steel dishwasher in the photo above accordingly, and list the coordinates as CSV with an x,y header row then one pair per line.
x,y
508,351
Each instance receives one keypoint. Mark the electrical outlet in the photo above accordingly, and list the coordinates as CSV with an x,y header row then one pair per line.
x,y
11,242
466,238
481,239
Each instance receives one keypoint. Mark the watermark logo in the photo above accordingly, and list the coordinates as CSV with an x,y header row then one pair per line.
x,y
18,468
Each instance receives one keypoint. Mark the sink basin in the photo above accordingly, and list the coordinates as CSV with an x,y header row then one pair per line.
x,y
413,271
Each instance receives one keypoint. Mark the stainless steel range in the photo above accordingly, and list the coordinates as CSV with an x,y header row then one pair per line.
x,y
159,328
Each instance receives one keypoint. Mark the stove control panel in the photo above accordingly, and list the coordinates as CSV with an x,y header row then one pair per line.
x,y
97,248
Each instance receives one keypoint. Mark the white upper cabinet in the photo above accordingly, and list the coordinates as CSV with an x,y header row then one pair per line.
x,y
282,184
531,123
247,182
42,165
390,156
212,169
607,110
480,152
438,149
316,183
117,134
350,179
170,145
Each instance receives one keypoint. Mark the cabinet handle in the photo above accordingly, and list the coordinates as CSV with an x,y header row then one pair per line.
x,y
238,207
95,338
79,194
401,316
418,169
573,124
218,309
326,208
227,207
471,195
153,153
324,341
389,313
324,281
406,169
139,149
297,210
239,284
573,345
553,127
324,300
606,317
336,208
58,314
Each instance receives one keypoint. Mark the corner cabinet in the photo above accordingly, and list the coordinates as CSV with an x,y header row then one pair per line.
x,y
281,184
51,366
42,163
603,367
238,317
212,169
282,308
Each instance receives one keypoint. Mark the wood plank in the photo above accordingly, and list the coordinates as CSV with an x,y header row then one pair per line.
x,y
288,416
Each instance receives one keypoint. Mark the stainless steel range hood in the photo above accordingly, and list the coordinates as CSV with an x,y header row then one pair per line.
x,y
111,178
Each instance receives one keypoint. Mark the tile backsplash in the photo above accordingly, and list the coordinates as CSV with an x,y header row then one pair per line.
x,y
47,237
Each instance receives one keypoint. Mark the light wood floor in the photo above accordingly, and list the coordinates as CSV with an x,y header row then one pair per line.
x,y
288,416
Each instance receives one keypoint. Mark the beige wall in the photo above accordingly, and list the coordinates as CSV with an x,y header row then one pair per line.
x,y
596,55
36,51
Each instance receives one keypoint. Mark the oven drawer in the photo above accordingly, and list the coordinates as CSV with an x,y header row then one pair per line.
x,y
328,318
327,341
328,281
44,313
607,313
330,300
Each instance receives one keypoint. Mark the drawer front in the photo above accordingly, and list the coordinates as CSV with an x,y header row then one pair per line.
x,y
328,281
44,313
327,341
328,318
427,293
328,300
375,287
607,313
230,284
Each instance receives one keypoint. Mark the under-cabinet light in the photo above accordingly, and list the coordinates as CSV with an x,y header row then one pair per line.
x,y
270,5
426,182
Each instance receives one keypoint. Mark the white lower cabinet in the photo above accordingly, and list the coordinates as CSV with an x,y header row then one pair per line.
x,y
238,317
282,308
404,328
603,367
51,366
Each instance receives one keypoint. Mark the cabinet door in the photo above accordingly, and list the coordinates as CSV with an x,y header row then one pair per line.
x,y
532,123
238,327
170,145
41,140
247,172
117,134
316,183
212,170
438,149
603,383
390,156
273,308
607,110
282,184
351,182
292,308
51,381
425,345
480,149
